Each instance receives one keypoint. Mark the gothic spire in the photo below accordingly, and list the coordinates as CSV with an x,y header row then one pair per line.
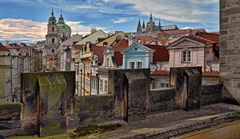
x,y
143,24
159,24
139,27
151,16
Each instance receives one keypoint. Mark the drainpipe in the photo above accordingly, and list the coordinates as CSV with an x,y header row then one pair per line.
x,y
97,75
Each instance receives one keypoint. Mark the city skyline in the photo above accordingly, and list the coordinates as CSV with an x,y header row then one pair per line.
x,y
21,19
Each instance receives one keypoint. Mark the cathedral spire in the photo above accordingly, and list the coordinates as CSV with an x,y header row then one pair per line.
x,y
139,27
151,19
143,24
159,24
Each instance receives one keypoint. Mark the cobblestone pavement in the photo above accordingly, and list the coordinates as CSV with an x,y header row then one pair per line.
x,y
175,123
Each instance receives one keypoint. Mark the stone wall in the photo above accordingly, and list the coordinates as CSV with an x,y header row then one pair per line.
x,y
9,118
230,49
47,99
211,94
161,100
130,89
92,110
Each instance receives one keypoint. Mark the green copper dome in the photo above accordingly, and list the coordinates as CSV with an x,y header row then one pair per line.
x,y
62,26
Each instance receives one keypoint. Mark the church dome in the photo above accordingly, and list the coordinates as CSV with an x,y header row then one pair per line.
x,y
62,26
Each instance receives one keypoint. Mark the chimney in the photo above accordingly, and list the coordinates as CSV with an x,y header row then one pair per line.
x,y
6,43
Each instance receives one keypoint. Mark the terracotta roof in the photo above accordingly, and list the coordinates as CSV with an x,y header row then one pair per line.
x,y
118,58
161,53
204,74
18,47
211,74
182,31
121,45
98,51
3,48
194,37
160,72
210,36
149,39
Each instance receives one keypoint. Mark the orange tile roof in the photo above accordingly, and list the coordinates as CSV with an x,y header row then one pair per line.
x,y
211,74
3,48
204,74
161,53
215,36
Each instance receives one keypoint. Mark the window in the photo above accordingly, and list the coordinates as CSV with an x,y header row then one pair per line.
x,y
186,56
139,65
52,28
101,85
131,65
162,84
107,61
53,40
105,86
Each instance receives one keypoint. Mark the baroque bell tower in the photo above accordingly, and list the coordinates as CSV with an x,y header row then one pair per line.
x,y
52,32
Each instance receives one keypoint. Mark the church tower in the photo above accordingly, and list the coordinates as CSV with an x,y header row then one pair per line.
x,y
150,24
52,32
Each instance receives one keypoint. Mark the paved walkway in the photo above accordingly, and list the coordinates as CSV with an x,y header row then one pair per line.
x,y
175,123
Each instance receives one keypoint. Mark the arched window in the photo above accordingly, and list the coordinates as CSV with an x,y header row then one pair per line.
x,y
53,28
53,40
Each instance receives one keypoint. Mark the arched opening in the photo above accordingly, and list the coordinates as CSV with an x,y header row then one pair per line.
x,y
53,40
53,29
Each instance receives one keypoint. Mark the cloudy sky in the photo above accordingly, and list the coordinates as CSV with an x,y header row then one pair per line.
x,y
26,20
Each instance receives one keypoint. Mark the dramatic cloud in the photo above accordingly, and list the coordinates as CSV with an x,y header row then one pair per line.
x,y
191,11
120,20
31,31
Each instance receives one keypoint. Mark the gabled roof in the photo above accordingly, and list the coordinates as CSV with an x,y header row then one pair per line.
x,y
210,36
191,37
139,45
161,53
87,37
3,48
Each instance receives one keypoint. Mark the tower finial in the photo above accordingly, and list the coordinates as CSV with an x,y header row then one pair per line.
x,y
52,13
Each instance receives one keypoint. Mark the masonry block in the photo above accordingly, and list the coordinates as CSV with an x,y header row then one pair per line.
x,y
47,99
187,82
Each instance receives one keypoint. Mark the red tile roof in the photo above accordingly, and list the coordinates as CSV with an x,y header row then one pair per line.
x,y
161,53
118,58
98,51
194,37
149,39
182,31
210,36
160,72
204,74
211,74
118,48
121,45
3,48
